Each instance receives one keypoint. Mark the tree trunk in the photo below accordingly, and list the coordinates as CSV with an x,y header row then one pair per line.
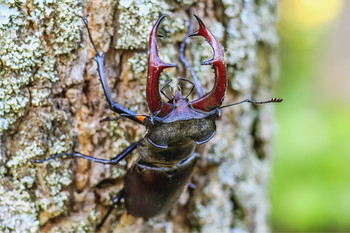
x,y
51,102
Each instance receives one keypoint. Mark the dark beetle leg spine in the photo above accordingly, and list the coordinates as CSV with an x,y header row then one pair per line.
x,y
116,202
114,160
162,89
115,107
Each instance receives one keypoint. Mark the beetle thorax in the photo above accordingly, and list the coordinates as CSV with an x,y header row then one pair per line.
x,y
181,129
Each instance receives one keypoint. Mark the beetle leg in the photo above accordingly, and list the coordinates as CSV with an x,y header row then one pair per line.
x,y
115,107
113,161
116,202
187,63
191,188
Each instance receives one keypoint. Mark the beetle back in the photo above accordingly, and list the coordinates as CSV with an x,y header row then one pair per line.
x,y
150,190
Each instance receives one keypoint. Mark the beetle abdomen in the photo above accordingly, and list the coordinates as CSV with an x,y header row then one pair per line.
x,y
150,190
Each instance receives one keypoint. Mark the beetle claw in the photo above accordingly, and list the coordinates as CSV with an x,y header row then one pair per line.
x,y
215,97
202,28
207,102
155,68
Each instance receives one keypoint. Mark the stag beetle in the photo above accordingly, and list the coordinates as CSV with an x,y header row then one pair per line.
x,y
167,149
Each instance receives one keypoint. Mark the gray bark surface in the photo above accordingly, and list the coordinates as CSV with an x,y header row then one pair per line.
x,y
51,102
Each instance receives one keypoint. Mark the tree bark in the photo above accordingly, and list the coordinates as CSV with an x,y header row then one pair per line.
x,y
51,102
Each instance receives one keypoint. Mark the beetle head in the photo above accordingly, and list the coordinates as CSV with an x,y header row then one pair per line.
x,y
179,100
207,102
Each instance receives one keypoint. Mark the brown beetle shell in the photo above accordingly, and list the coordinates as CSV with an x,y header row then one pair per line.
x,y
150,190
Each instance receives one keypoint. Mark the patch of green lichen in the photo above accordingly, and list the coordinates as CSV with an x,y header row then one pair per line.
x,y
136,19
59,146
23,179
267,13
247,24
21,157
18,55
139,63
117,135
54,177
17,211
22,51
47,69
51,194
173,29
168,54
240,50
32,36
39,96
82,226
207,216
57,19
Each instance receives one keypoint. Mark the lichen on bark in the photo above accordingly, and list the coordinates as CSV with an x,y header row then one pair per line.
x,y
33,37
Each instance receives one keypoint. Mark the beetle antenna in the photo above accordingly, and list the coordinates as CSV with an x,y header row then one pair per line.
x,y
273,100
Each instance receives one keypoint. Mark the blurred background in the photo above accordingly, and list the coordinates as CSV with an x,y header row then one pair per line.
x,y
310,187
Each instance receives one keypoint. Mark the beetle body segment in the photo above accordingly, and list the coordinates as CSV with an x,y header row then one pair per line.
x,y
171,139
151,190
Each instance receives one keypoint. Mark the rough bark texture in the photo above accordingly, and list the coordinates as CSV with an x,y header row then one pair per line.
x,y
51,101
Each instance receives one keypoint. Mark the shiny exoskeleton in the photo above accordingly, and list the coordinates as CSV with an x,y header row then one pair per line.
x,y
167,149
